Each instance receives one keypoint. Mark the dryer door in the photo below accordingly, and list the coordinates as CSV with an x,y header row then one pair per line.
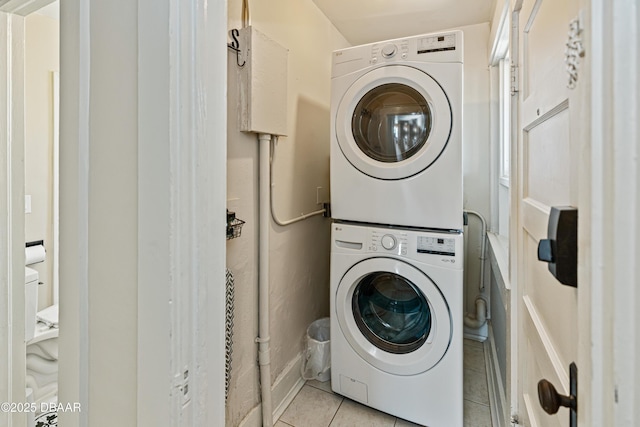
x,y
393,316
393,122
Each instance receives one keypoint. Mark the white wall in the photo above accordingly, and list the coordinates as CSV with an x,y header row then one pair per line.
x,y
299,255
41,58
476,148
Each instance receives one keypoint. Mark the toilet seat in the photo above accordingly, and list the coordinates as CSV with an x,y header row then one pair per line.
x,y
46,326
49,316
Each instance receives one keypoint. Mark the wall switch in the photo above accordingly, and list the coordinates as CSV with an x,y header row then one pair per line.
x,y
27,204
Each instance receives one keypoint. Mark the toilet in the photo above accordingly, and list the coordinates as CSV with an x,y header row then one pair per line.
x,y
41,337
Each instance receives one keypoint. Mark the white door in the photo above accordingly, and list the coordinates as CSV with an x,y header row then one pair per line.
x,y
550,165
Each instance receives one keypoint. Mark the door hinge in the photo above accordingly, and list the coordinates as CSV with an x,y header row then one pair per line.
x,y
181,384
514,79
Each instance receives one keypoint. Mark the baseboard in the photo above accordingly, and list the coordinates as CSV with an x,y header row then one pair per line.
x,y
287,386
283,391
497,396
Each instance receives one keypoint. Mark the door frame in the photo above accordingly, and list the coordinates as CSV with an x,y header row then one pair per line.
x,y
201,98
614,274
12,297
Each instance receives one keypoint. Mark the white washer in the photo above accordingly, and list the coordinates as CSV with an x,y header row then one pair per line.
x,y
396,132
396,321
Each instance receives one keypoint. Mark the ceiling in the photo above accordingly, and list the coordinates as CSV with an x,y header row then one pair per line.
x,y
52,10
367,21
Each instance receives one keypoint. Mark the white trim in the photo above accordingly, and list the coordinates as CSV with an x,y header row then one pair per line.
x,y
55,259
209,219
499,46
156,221
499,257
73,384
615,207
533,421
497,396
514,222
12,347
541,331
23,7
285,388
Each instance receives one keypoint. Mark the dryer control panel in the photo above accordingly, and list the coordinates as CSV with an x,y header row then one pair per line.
x,y
446,47
439,43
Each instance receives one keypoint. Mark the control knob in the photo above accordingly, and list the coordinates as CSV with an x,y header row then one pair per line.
x,y
389,50
388,242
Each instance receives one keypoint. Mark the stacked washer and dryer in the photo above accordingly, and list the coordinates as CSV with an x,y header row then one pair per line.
x,y
397,243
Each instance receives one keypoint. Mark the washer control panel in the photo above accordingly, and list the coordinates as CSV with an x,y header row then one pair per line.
x,y
436,245
430,247
388,241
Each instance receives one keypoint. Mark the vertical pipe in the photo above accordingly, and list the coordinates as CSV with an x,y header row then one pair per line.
x,y
263,281
481,304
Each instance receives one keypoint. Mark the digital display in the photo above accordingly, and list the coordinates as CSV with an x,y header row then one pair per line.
x,y
436,246
437,43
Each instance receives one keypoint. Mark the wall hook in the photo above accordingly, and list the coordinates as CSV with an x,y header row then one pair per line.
x,y
235,46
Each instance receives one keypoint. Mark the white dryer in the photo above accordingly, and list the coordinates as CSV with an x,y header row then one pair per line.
x,y
396,321
396,132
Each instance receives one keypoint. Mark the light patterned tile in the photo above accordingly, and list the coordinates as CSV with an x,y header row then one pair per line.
x,y
404,423
281,424
472,343
475,386
311,408
353,414
474,358
476,415
325,386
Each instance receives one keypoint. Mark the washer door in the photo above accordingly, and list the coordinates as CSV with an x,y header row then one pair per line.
x,y
393,122
393,316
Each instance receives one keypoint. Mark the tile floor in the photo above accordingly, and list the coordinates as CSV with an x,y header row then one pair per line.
x,y
317,406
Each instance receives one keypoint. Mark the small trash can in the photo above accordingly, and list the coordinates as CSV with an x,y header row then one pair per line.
x,y
316,362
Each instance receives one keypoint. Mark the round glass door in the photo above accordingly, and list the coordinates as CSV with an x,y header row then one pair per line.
x,y
391,122
393,316
391,312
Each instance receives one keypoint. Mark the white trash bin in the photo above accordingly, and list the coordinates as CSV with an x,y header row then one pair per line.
x,y
316,362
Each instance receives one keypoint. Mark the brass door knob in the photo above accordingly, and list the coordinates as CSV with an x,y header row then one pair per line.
x,y
551,400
